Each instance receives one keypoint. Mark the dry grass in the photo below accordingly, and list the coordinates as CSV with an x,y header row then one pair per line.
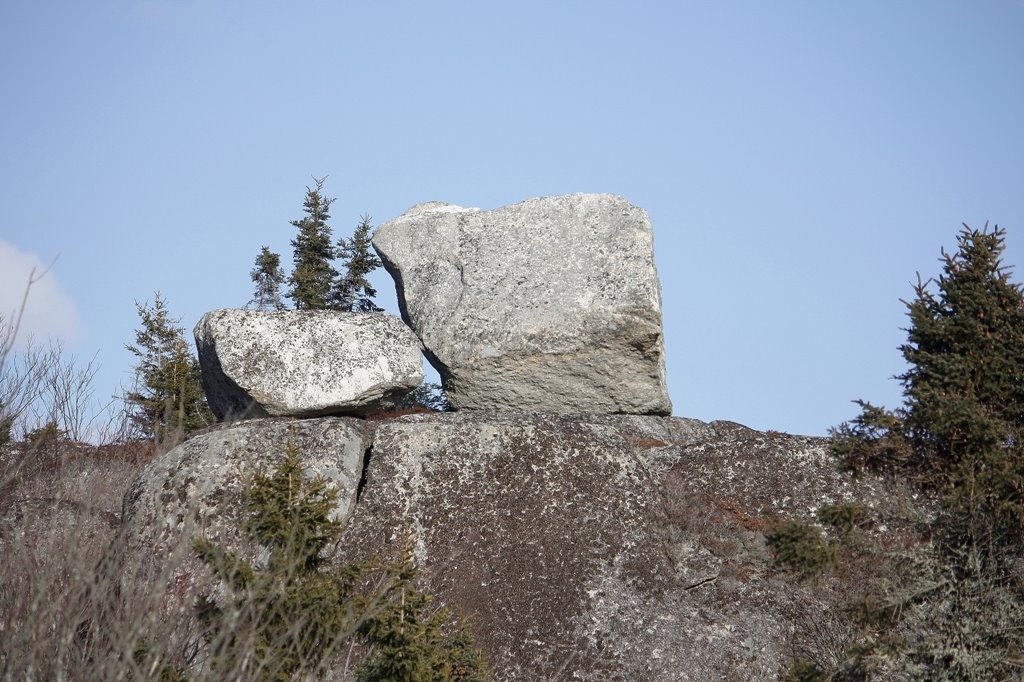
x,y
70,608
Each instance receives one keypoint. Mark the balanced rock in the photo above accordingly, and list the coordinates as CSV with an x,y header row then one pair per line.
x,y
304,363
551,304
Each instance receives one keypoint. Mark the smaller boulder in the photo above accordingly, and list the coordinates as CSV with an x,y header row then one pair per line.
x,y
305,363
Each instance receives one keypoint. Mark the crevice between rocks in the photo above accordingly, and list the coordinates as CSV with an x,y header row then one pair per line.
x,y
367,455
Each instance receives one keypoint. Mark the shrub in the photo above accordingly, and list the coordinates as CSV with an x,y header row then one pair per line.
x,y
799,547
843,517
47,433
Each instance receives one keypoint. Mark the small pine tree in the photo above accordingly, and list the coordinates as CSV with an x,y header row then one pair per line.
x,y
268,276
352,290
313,275
290,614
168,401
960,429
409,643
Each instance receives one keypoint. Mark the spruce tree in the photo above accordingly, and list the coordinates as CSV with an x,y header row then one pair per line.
x,y
313,275
268,276
289,614
167,401
960,427
958,435
352,290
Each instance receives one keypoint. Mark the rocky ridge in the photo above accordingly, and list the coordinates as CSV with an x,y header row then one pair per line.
x,y
580,543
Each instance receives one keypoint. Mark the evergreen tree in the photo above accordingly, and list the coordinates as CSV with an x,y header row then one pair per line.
x,y
409,643
352,290
268,276
167,401
960,613
313,275
291,613
960,427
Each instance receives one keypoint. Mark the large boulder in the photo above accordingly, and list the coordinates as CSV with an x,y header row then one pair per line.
x,y
593,547
305,363
551,304
556,536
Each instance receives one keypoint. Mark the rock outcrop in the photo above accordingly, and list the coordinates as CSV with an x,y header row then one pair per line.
x,y
579,546
594,547
552,304
304,363
197,486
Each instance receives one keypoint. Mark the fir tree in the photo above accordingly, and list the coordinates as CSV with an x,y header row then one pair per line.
x,y
958,434
352,290
167,401
290,614
313,275
960,428
268,276
409,642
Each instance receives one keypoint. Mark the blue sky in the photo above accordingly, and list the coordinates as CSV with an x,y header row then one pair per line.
x,y
800,161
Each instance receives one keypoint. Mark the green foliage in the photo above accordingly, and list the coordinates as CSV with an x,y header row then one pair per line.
x,y
167,401
315,283
959,430
353,291
47,433
291,612
409,643
843,517
806,671
289,615
313,275
965,347
800,547
954,610
268,276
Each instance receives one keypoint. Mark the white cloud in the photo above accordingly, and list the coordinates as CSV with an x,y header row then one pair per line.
x,y
48,310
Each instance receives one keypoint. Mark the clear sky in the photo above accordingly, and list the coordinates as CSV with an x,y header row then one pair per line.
x,y
800,161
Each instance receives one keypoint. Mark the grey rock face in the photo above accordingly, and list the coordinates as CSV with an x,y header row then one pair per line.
x,y
594,547
550,533
551,304
199,483
304,363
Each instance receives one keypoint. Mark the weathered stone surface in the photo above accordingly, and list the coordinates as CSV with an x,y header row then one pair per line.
x,y
550,304
554,535
596,547
196,489
304,363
